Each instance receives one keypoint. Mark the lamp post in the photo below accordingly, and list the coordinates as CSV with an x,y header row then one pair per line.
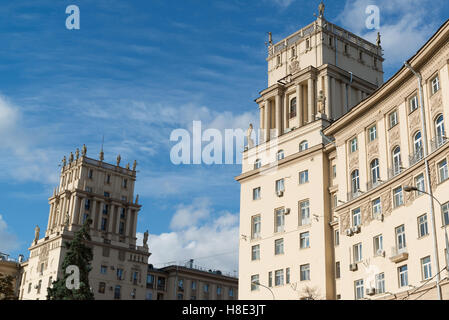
x,y
258,284
426,164
413,188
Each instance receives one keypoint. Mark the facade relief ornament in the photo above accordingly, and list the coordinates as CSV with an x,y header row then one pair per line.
x,y
353,161
409,196
367,217
294,66
373,149
433,175
395,136
344,219
386,203
414,122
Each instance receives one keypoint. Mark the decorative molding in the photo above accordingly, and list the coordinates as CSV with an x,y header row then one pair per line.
x,y
373,149
367,217
395,136
414,122
386,203
344,220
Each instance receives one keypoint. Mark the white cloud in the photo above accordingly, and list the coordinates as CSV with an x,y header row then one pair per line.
x,y
210,238
405,25
283,3
8,241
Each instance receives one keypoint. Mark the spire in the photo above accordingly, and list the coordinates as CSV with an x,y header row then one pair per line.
x,y
101,151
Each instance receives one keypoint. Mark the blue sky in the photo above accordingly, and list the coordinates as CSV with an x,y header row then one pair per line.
x,y
135,71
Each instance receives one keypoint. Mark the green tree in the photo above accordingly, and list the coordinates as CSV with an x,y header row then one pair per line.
x,y
7,287
80,255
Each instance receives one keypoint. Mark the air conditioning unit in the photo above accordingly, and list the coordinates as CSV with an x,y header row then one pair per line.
x,y
349,232
280,193
370,291
287,211
381,253
353,267
356,229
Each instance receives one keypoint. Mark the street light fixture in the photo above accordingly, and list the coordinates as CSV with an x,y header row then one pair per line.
x,y
428,180
258,284
412,189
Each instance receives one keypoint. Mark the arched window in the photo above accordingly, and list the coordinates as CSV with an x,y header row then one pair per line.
x,y
397,160
355,182
293,108
417,142
280,155
375,173
303,145
439,126
257,164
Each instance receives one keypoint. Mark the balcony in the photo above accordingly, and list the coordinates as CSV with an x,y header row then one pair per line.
x,y
437,143
393,172
417,156
372,185
398,255
354,195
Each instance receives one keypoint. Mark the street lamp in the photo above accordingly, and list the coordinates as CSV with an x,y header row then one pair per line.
x,y
426,164
413,188
258,284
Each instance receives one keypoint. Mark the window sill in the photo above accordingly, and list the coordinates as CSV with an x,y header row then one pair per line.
x,y
423,237
391,127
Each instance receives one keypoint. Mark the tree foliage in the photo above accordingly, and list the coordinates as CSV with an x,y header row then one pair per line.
x,y
80,255
7,287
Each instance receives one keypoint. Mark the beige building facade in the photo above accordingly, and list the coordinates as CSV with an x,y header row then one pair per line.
x,y
10,267
189,283
296,198
91,189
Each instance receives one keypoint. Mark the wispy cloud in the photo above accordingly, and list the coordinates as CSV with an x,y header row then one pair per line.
x,y
8,240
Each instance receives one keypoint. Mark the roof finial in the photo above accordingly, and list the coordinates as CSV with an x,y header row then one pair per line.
x,y
101,151
321,8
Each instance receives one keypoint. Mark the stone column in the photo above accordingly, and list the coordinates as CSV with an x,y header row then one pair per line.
x,y
349,97
343,97
332,108
100,213
111,218
50,215
328,95
117,223
278,115
76,210
359,96
310,99
128,223
134,223
299,104
286,111
267,120
261,114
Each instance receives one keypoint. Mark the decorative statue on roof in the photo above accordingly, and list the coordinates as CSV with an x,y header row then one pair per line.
x,y
249,132
64,161
145,239
378,41
127,166
119,158
84,150
37,230
101,155
270,38
137,199
77,154
71,157
321,8
134,165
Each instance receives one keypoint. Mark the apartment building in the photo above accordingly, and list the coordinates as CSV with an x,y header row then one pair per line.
x,y
324,213
189,283
103,192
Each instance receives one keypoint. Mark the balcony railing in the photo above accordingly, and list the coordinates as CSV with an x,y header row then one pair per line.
x,y
438,142
417,156
370,185
393,172
353,195
398,254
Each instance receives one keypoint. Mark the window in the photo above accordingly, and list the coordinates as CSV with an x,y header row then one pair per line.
x,y
356,217
231,292
413,103
219,288
357,251
420,185
121,228
125,183
337,270
378,245
101,287
346,48
105,208
397,161
293,108
445,210
435,85
442,169
403,276
117,292
193,285
334,171
279,220
257,164
254,282
150,281
377,208
293,52
401,245
119,274
422,226
417,144
124,198
398,197
256,193
337,237
375,172
135,278
304,213
108,178
426,268
355,182
104,224
304,177
279,278
278,60
255,229
307,44
39,287
287,275
206,288
304,274
50,281
89,189
149,295
359,289
279,246
29,287
104,269
303,146
90,174
439,126
107,194
304,242
353,145
372,133
270,279
361,56
393,118
280,185
87,204
280,155
380,283
255,252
